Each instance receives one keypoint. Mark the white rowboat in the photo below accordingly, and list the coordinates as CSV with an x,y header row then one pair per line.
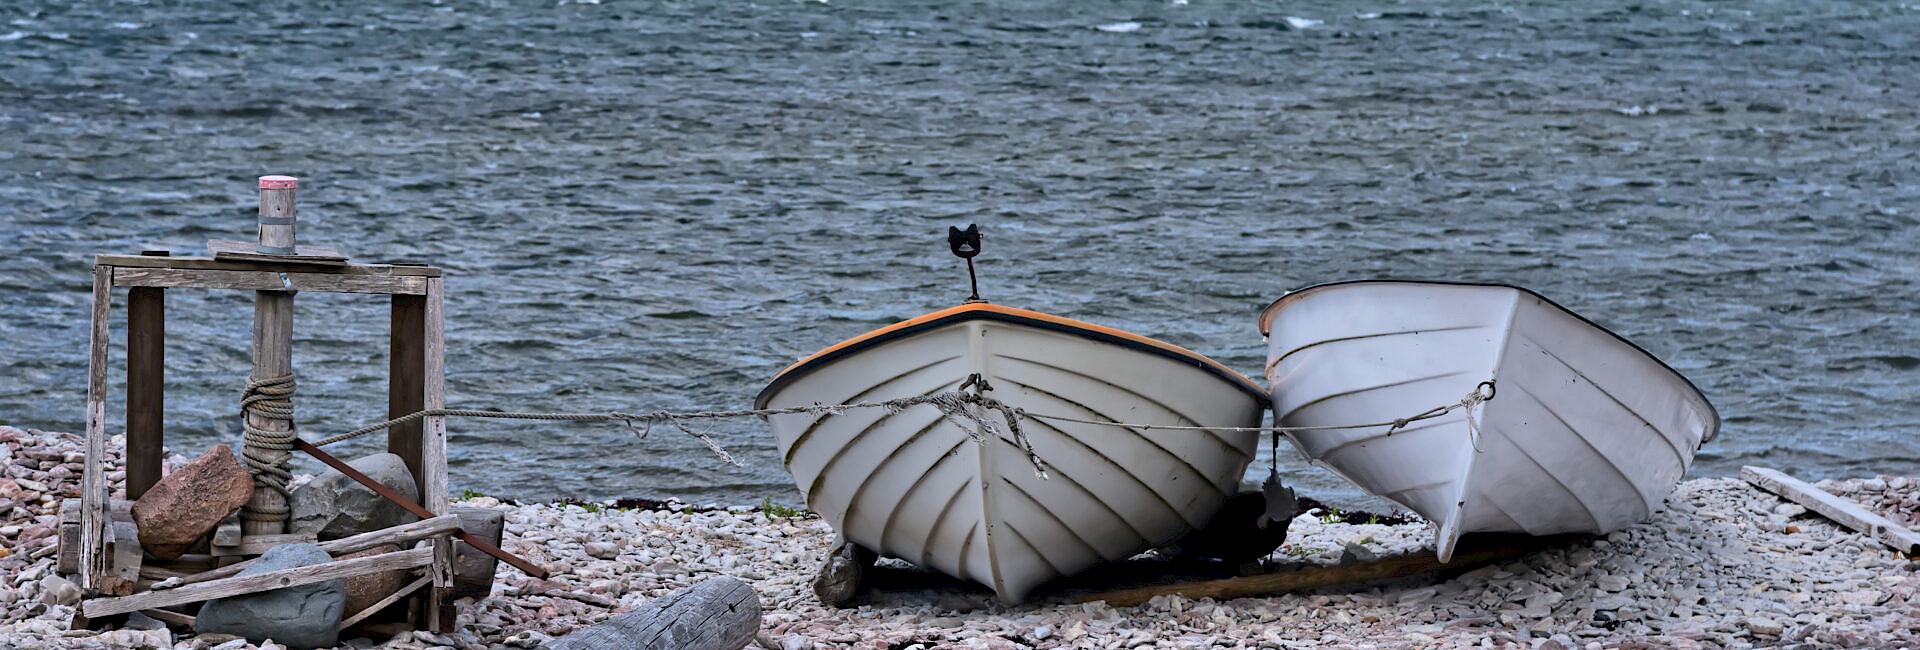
x,y
913,485
1586,433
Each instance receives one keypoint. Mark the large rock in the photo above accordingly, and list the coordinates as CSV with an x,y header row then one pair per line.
x,y
301,616
334,506
193,499
366,589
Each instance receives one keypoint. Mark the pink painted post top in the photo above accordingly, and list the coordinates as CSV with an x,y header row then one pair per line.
x,y
279,182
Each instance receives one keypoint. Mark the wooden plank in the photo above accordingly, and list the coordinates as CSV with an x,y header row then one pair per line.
x,y
259,544
440,600
93,483
387,493
1314,578
272,357
239,251
385,602
123,536
68,560
228,532
1844,511
400,534
719,614
146,386
406,378
269,281
175,619
433,440
210,264
258,582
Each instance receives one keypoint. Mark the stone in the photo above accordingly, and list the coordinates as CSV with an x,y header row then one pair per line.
x,y
301,616
139,621
333,506
365,590
1764,627
602,550
55,590
472,569
842,573
190,501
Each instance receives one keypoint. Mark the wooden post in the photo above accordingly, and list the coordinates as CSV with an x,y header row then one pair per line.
x,y
276,214
406,378
272,339
433,437
93,482
146,384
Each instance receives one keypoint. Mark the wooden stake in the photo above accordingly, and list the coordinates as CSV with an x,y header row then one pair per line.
x,y
272,341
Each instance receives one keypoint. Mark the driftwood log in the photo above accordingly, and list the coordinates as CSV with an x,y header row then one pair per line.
x,y
719,614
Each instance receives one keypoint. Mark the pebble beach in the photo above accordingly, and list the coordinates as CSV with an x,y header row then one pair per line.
x,y
1724,565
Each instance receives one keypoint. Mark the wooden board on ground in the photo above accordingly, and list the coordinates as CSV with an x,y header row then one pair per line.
x,y
239,251
1841,510
1278,583
719,614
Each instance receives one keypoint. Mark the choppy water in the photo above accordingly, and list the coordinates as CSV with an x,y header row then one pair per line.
x,y
660,204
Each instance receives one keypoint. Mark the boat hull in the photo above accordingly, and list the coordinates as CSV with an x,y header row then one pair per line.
x,y
1586,433
917,486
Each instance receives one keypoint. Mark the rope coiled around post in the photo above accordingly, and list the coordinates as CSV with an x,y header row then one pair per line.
x,y
266,452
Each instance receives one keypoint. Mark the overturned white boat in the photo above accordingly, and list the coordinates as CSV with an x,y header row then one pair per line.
x,y
1585,432
914,485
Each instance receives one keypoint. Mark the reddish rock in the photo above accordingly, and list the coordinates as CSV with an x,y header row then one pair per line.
x,y
190,501
365,590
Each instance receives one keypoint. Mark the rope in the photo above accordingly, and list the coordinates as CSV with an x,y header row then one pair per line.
x,y
266,452
953,406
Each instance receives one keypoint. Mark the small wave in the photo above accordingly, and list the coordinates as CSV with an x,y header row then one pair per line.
x,y
1119,28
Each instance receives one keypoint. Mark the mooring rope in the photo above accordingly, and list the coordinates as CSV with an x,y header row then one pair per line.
x,y
953,406
266,452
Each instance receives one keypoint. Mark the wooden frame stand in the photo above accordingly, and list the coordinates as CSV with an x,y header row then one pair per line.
x,y
417,379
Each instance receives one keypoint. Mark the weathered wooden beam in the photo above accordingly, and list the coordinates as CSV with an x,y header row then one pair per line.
x,y
93,482
146,385
210,264
719,614
387,493
239,585
1314,578
1844,511
433,436
269,281
400,534
260,544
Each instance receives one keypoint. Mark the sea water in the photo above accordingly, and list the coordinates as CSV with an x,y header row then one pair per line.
x,y
658,205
